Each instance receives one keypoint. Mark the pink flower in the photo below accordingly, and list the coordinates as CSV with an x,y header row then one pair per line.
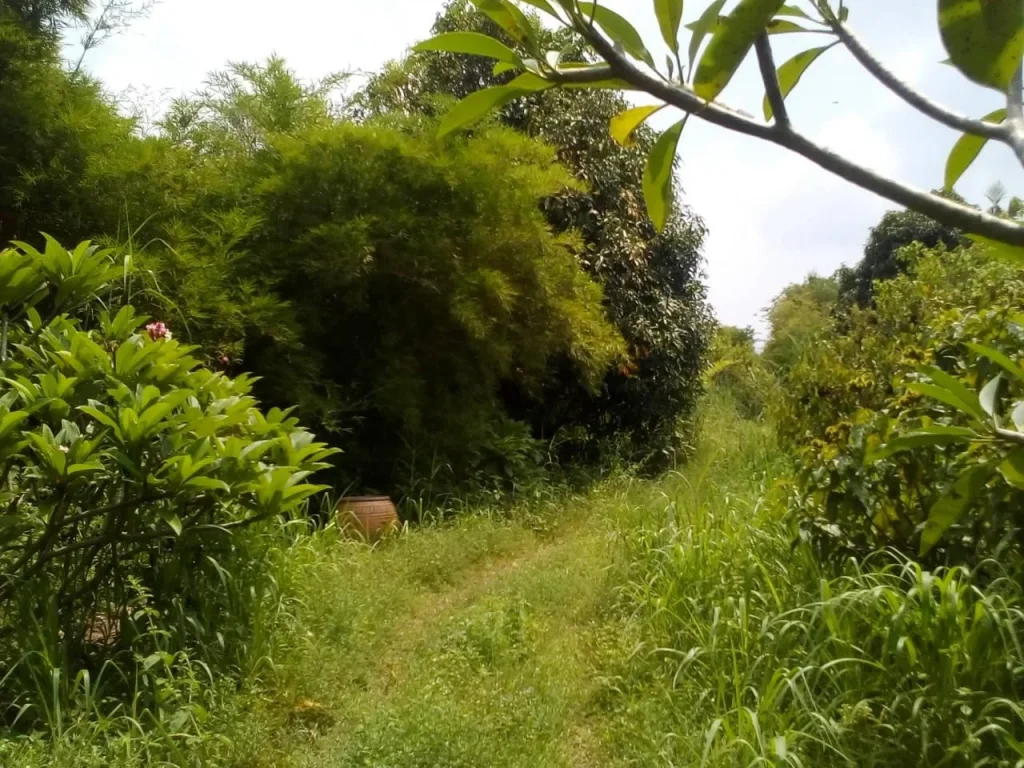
x,y
224,359
158,331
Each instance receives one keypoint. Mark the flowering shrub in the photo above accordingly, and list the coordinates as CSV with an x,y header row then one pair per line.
x,y
123,460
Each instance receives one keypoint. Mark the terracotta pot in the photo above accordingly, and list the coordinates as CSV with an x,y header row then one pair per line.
x,y
367,516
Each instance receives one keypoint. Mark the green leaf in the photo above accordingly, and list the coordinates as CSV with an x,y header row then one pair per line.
x,y
792,10
789,74
984,38
989,396
701,28
966,399
658,175
967,149
1017,416
172,520
952,505
470,42
935,435
507,16
475,107
1013,254
625,123
542,5
670,16
1012,468
619,30
503,66
997,357
208,483
730,45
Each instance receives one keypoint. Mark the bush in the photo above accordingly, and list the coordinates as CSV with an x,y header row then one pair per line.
x,y
126,466
848,394
652,283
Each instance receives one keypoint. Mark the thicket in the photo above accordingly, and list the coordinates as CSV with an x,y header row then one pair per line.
x,y
653,291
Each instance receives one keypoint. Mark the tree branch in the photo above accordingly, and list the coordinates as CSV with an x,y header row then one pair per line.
x,y
920,102
945,211
1015,114
766,62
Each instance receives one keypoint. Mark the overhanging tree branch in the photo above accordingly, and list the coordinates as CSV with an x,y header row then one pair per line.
x,y
920,102
946,211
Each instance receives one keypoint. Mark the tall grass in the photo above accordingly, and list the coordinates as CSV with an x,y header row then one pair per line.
x,y
751,653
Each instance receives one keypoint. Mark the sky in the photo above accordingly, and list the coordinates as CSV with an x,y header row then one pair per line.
x,y
773,217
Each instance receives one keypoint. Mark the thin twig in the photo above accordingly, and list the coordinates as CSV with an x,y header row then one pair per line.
x,y
766,62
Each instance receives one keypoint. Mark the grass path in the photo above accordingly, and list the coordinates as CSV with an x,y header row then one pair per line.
x,y
498,665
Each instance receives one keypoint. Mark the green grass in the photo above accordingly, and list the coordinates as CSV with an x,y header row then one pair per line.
x,y
669,623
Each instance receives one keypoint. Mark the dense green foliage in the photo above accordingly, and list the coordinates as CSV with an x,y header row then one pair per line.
x,y
881,260
835,576
651,281
852,388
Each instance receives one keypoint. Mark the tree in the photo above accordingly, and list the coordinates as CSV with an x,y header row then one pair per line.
x,y
985,41
651,281
881,261
796,316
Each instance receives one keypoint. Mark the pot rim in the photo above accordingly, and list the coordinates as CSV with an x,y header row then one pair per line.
x,y
363,498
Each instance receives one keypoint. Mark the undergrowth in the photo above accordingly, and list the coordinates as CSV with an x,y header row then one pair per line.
x,y
673,623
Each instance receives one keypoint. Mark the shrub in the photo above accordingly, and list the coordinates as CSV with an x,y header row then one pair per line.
x,y
848,393
126,465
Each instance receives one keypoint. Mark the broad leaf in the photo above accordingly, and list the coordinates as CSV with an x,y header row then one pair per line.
x,y
997,357
989,397
789,74
470,42
670,16
507,16
619,30
775,26
171,518
967,149
967,399
731,44
792,10
474,107
1012,468
1013,254
701,28
935,435
658,175
625,123
984,38
952,505
542,5
1017,416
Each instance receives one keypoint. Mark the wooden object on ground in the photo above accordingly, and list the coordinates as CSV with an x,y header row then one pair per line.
x,y
369,517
